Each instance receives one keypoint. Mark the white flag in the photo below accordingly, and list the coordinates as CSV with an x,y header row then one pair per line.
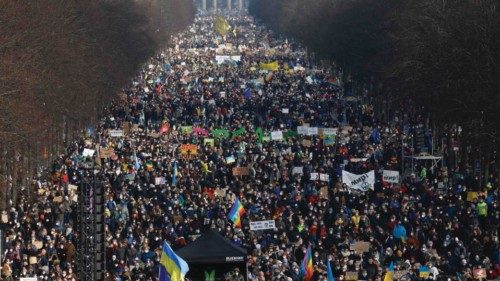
x,y
361,182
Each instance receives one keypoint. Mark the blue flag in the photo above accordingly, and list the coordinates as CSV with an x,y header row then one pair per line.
x,y
137,164
329,271
248,93
174,174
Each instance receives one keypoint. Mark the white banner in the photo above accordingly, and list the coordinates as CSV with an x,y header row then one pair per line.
x,y
262,225
116,133
277,135
390,176
361,182
28,279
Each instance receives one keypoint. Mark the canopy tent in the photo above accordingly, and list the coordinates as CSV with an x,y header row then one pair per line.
x,y
212,252
414,158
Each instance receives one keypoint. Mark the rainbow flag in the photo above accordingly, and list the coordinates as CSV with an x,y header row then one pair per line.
x,y
236,212
307,268
172,267
390,272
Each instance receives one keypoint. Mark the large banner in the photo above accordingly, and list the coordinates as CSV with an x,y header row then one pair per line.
x,y
390,176
361,182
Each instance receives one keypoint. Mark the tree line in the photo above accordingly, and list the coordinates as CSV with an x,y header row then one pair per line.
x,y
61,63
443,55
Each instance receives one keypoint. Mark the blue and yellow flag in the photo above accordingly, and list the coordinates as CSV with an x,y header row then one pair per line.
x,y
390,272
172,267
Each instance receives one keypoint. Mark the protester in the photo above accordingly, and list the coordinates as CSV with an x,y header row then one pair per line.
x,y
154,192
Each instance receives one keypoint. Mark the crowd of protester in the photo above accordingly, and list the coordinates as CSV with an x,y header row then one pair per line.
x,y
156,193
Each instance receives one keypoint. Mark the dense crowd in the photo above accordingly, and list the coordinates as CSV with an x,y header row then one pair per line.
x,y
228,110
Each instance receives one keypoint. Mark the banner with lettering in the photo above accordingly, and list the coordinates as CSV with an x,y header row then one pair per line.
x,y
390,176
361,182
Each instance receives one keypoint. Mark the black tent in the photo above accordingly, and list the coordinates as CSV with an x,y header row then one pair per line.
x,y
212,252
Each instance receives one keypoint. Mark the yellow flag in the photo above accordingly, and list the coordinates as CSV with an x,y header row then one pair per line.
x,y
221,26
272,66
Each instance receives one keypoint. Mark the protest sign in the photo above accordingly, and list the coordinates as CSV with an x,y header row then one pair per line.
x,y
314,177
186,129
329,131
107,152
306,143
285,110
241,171
472,196
262,225
220,133
116,133
277,135
323,192
197,131
209,142
390,176
159,180
312,131
479,273
298,170
230,159
324,177
88,152
302,130
351,276
361,182
188,149
360,247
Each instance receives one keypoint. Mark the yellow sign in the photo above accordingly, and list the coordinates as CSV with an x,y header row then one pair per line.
x,y
272,66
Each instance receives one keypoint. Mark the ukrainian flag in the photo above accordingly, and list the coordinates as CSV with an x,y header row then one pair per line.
x,y
390,272
172,267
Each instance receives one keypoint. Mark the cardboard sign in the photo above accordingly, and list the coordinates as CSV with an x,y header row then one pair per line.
x,y
285,110
116,133
398,274
360,247
241,171
262,225
306,143
126,127
33,260
472,196
188,149
323,192
107,152
351,276
220,192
